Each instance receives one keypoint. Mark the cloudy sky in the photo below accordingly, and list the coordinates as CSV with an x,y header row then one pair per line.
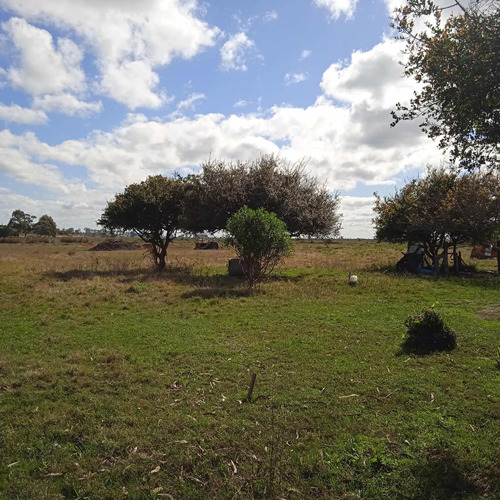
x,y
97,94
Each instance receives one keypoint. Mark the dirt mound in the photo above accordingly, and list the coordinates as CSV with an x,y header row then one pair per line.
x,y
107,246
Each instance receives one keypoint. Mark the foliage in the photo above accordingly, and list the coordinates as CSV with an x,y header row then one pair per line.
x,y
45,226
441,209
260,239
5,231
457,62
427,332
20,223
222,188
152,209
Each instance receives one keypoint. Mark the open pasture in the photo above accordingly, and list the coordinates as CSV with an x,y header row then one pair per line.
x,y
116,382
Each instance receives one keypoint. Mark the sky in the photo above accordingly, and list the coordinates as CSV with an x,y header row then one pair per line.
x,y
98,94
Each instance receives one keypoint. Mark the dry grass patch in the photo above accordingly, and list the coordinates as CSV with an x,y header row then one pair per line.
x,y
491,313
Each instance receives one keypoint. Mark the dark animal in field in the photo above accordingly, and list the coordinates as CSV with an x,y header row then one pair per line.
x,y
206,245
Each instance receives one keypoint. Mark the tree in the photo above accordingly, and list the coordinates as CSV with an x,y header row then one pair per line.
x,y
153,209
20,223
260,239
222,188
439,210
5,231
45,226
457,61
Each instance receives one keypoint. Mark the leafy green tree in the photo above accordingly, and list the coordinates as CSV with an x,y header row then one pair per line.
x,y
5,231
21,223
441,209
222,188
457,61
152,209
45,226
260,239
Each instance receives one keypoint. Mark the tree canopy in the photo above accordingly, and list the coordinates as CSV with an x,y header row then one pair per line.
x,y
440,209
153,209
222,188
20,223
45,226
260,239
457,61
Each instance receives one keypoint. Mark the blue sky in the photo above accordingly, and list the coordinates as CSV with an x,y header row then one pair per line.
x,y
95,95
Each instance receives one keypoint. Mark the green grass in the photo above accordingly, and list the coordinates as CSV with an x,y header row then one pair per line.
x,y
116,383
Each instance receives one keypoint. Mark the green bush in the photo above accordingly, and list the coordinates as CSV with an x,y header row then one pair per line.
x,y
260,239
427,332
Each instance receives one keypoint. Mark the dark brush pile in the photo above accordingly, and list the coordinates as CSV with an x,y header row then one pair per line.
x,y
109,245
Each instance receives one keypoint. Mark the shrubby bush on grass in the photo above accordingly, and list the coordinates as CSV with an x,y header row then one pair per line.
x,y
260,239
426,332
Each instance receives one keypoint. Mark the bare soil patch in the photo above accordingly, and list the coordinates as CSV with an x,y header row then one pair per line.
x,y
492,313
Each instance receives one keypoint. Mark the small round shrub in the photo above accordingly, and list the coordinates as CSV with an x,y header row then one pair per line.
x,y
260,239
426,332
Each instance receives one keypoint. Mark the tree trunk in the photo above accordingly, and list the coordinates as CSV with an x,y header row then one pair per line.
x,y
445,258
162,257
456,265
161,262
498,255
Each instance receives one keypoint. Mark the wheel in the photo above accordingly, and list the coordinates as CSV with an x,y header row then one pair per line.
x,y
401,265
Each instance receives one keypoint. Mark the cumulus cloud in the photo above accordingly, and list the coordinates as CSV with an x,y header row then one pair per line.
x,y
337,8
17,161
295,78
346,143
305,53
128,38
358,214
233,52
18,114
42,66
374,77
132,83
66,104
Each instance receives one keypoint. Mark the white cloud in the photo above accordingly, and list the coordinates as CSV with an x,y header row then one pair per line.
x,y
191,101
305,54
295,78
128,38
374,77
270,15
346,144
15,113
241,104
132,83
66,104
358,214
43,67
337,8
233,52
17,161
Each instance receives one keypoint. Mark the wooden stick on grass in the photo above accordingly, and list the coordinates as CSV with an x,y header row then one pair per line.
x,y
250,389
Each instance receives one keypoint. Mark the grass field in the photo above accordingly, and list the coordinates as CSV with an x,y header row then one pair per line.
x,y
119,383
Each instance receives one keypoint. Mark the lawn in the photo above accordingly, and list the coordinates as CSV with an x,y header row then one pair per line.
x,y
116,382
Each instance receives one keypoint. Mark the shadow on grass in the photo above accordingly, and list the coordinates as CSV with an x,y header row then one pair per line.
x,y
206,285
224,286
442,477
86,274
